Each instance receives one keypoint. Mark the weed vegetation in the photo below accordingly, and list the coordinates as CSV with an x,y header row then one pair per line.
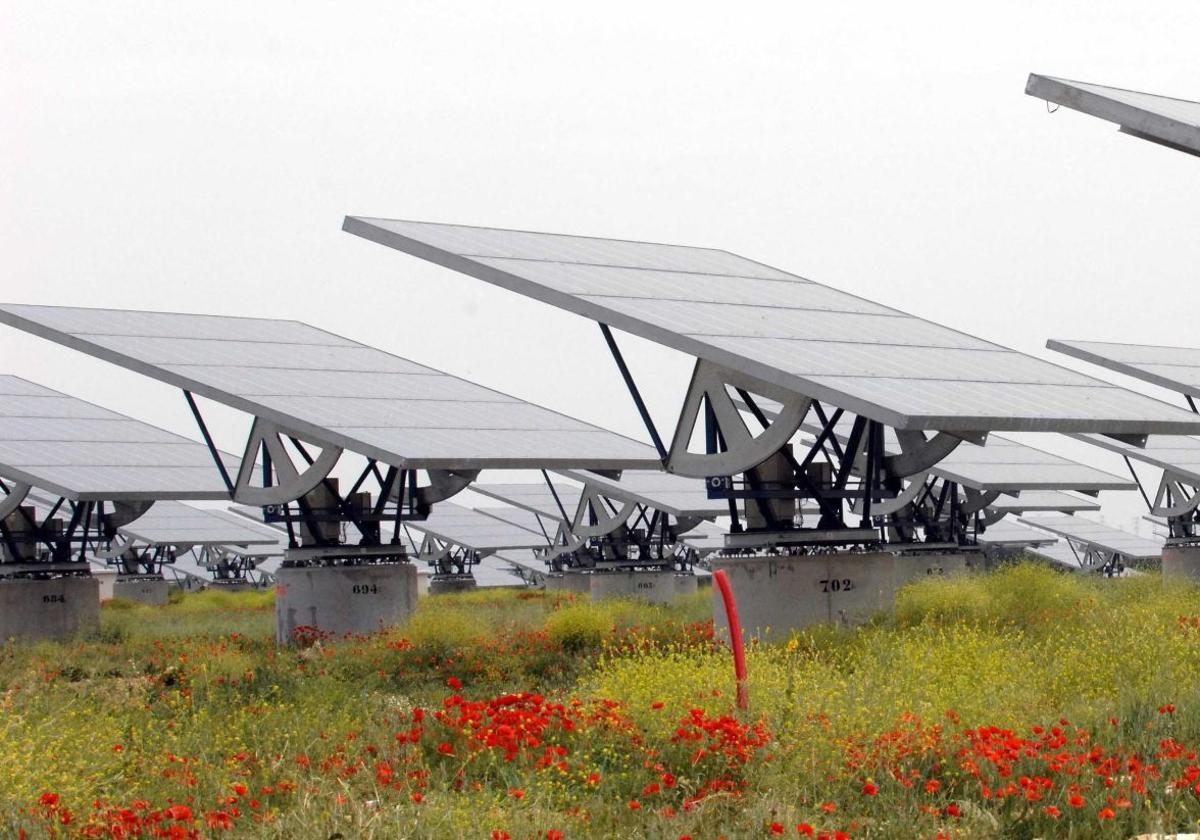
x,y
1023,703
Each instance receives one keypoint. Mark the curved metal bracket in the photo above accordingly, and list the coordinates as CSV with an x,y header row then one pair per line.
x,y
918,453
990,516
1170,490
445,483
605,525
977,500
886,507
291,483
743,449
16,494
125,512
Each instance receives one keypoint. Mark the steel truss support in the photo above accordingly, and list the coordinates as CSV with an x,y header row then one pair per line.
x,y
1178,500
447,558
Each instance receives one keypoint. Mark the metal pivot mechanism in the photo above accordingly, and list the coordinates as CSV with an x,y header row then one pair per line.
x,y
57,540
1177,500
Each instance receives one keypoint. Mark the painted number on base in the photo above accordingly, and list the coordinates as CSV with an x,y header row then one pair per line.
x,y
365,589
54,599
645,585
837,585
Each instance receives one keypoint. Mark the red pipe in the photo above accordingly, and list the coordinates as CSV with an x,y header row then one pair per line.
x,y
735,637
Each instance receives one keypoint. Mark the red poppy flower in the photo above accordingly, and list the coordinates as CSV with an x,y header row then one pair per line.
x,y
455,683
776,828
805,829
1076,801
1052,811
870,789
1106,814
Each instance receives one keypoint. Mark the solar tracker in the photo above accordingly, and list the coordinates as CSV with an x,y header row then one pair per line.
x,y
806,338
474,530
492,572
676,495
1043,500
1174,368
1094,534
335,390
1160,119
1178,454
83,452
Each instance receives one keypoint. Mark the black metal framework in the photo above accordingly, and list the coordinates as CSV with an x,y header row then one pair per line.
x,y
54,545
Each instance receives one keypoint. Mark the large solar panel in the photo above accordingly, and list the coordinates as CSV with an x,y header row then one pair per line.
x,y
87,453
475,530
1179,454
1101,536
749,317
1007,534
672,494
535,497
1044,500
335,390
1161,119
174,523
1174,368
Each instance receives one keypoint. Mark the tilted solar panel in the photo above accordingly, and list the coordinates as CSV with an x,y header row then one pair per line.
x,y
474,530
87,453
1044,500
1160,119
672,494
335,390
1173,368
811,339
174,523
1101,536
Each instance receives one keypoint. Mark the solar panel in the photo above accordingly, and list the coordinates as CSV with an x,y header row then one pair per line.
x,y
1044,500
87,453
1174,368
811,339
1179,454
474,530
1058,553
335,390
174,523
1009,534
1160,119
535,497
523,519
1101,536
672,494
491,572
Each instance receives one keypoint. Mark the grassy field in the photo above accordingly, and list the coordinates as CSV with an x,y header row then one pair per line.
x,y
1021,704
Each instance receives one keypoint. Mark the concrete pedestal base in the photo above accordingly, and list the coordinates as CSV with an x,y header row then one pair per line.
x,y
231,586
106,580
777,596
1181,562
343,600
569,582
914,567
49,609
655,587
143,590
445,584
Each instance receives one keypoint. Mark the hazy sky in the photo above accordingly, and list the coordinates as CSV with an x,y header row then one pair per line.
x,y
200,157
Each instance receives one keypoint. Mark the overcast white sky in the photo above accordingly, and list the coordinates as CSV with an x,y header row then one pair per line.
x,y
200,157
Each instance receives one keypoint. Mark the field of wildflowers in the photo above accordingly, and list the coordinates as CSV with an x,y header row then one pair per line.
x,y
1023,703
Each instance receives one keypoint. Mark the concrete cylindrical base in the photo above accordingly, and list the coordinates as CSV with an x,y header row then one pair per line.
x,y
779,595
143,590
451,583
343,600
49,609
655,587
569,581
1181,562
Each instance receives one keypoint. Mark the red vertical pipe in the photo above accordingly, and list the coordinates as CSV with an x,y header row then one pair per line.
x,y
735,637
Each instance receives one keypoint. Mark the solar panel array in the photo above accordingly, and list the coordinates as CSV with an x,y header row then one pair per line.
x,y
535,497
335,390
870,359
1008,533
84,452
174,523
1100,536
672,494
1044,500
1162,119
1179,454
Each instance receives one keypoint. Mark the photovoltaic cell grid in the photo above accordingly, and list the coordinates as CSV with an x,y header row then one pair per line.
x,y
335,390
1178,453
1160,119
1101,536
1173,368
84,452
875,361
475,530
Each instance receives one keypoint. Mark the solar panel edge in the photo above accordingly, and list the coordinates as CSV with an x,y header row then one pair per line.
x,y
1079,350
